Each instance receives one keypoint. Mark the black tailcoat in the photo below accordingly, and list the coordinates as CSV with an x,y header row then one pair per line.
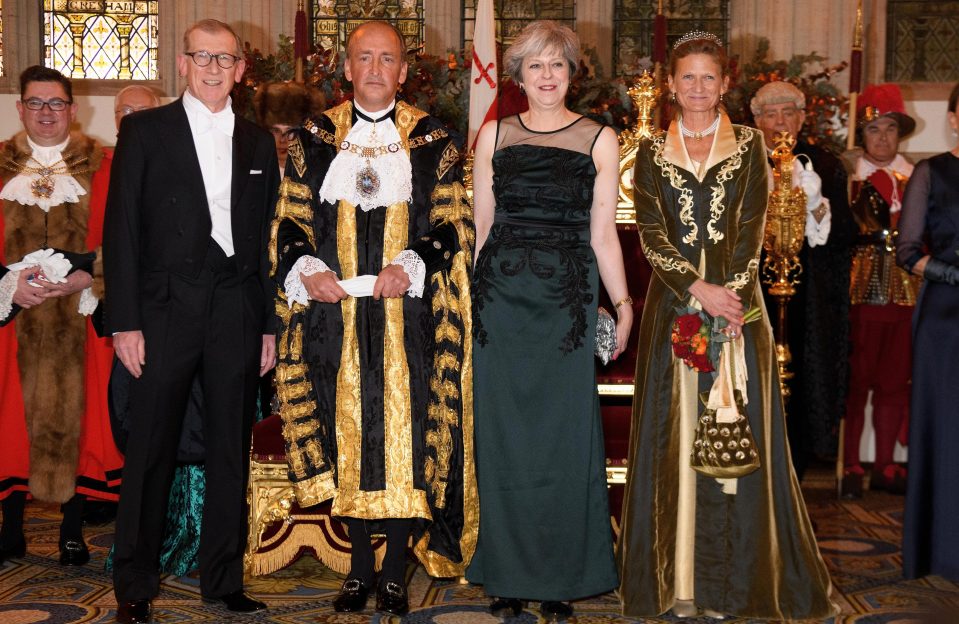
x,y
201,314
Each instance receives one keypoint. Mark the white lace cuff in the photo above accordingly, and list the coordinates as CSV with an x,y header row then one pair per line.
x,y
88,303
293,285
8,286
416,270
817,232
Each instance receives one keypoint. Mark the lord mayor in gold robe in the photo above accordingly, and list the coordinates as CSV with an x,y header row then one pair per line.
x,y
690,542
376,394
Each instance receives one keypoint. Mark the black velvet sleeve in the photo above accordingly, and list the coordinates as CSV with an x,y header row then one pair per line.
x,y
912,221
292,230
439,246
292,244
842,228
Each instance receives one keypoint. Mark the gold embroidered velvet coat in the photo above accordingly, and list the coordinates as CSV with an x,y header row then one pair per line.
x,y
751,553
376,396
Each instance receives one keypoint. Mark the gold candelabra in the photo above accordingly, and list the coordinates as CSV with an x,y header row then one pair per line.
x,y
644,95
785,231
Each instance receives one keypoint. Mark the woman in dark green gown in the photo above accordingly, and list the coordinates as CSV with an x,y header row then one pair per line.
x,y
545,189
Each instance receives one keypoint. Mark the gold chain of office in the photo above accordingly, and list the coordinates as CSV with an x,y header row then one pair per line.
x,y
330,139
42,187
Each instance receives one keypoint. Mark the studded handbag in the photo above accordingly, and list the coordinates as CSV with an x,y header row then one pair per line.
x,y
724,446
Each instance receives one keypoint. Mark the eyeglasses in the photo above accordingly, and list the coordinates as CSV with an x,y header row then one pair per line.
x,y
203,58
56,104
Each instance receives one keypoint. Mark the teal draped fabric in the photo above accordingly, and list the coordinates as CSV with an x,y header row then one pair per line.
x,y
179,554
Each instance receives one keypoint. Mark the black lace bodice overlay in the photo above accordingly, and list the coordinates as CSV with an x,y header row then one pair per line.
x,y
543,185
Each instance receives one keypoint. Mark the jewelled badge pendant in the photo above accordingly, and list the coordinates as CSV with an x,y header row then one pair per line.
x,y
42,187
367,182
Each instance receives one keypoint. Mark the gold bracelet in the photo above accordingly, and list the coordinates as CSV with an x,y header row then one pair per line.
x,y
626,299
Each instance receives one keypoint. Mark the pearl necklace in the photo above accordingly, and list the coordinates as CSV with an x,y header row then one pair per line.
x,y
699,135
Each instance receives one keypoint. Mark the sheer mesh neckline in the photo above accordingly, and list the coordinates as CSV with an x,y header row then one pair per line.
x,y
577,136
519,118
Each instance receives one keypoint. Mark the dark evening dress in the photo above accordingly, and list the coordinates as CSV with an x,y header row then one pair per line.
x,y
930,215
545,530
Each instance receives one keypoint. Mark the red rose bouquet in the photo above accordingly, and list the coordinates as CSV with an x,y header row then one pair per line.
x,y
697,337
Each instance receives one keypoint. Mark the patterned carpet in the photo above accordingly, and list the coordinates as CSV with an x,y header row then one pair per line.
x,y
859,540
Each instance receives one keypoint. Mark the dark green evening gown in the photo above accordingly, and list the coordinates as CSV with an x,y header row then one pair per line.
x,y
545,530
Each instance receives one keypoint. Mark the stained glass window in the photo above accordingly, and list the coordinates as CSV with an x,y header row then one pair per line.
x,y
633,26
334,20
513,15
101,38
922,41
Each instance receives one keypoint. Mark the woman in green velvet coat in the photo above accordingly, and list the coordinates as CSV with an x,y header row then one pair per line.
x,y
690,543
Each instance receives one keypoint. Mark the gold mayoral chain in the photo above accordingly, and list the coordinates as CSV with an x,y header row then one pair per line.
x,y
367,179
42,187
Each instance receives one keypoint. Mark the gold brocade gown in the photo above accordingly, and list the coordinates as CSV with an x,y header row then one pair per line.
x,y
741,547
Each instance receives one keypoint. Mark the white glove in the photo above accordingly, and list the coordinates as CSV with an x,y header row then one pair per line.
x,y
811,184
53,265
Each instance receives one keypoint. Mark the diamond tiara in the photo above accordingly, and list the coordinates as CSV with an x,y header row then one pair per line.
x,y
695,35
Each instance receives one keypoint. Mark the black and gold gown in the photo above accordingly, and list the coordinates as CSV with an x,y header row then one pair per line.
x,y
544,518
376,395
742,547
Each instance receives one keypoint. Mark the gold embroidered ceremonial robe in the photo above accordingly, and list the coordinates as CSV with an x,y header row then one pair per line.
x,y
742,547
376,396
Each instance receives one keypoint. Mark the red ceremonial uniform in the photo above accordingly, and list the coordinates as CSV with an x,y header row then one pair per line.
x,y
55,368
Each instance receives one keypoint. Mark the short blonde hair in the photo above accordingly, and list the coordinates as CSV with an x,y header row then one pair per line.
x,y
211,27
536,37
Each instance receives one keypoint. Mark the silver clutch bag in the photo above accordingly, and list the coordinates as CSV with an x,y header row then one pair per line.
x,y
605,336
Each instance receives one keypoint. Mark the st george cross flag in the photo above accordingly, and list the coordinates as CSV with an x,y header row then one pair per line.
x,y
484,77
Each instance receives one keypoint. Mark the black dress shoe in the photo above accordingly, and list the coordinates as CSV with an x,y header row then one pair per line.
x,y
135,612
352,596
74,552
851,486
506,607
554,611
14,550
237,602
896,484
391,598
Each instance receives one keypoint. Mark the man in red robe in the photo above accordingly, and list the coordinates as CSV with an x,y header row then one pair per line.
x,y
56,444
882,294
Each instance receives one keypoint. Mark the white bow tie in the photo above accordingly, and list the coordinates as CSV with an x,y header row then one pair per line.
x,y
222,121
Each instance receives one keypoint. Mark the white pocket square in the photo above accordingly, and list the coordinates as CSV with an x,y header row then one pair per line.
x,y
256,171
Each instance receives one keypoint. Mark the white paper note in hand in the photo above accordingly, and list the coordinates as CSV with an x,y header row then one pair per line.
x,y
359,286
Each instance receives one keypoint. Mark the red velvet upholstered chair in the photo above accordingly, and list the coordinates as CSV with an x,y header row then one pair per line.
x,y
615,380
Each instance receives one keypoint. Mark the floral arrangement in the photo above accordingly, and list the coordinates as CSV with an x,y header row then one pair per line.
x,y
440,85
697,337
826,106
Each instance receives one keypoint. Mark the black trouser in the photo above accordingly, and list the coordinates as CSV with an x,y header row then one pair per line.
x,y
203,325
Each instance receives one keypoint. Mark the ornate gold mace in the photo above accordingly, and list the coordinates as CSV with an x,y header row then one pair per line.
x,y
785,232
